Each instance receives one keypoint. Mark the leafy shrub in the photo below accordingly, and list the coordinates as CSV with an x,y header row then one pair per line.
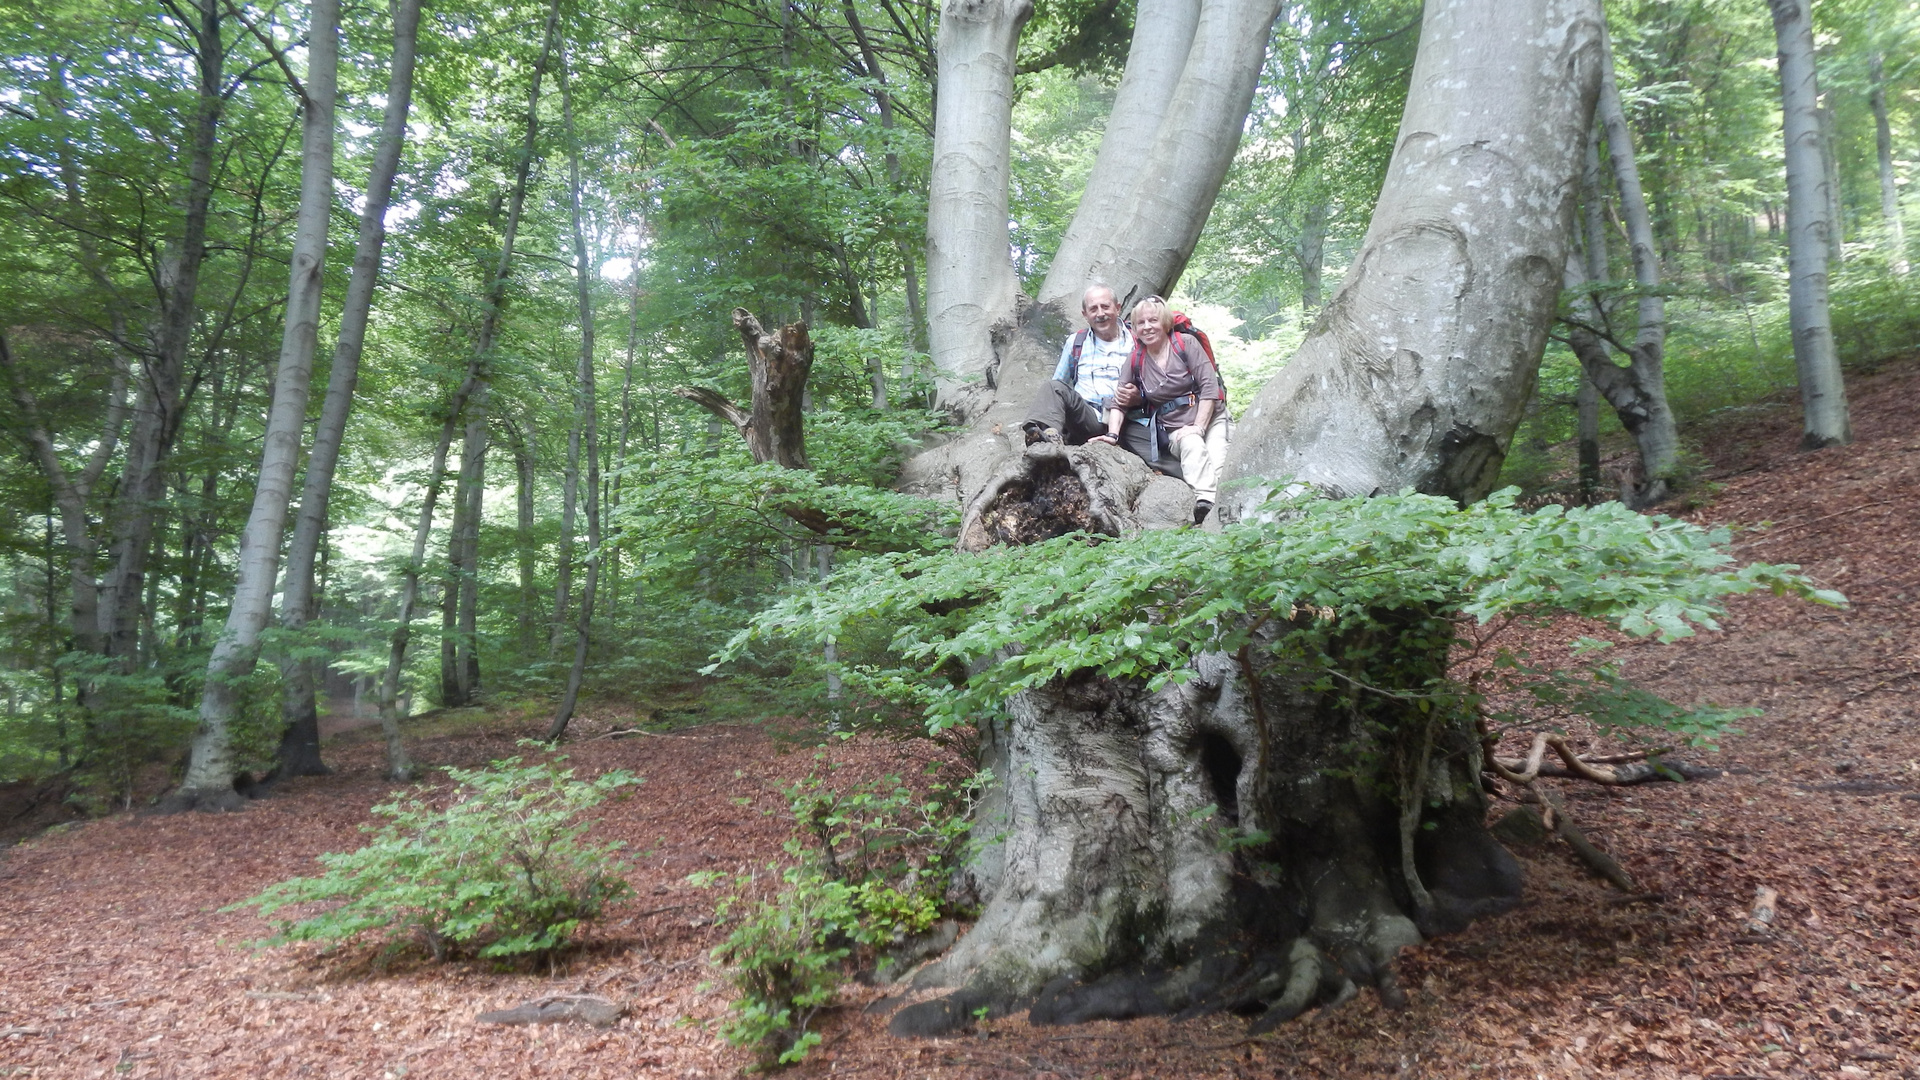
x,y
500,871
1315,569
869,865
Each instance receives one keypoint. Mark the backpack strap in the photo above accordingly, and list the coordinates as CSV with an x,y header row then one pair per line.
x,y
1073,360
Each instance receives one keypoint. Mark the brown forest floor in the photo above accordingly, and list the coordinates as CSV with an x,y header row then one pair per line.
x,y
116,961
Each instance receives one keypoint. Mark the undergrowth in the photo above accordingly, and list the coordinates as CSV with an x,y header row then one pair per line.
x,y
500,871
866,871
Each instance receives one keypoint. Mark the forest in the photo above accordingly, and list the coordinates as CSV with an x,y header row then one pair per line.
x,y
526,426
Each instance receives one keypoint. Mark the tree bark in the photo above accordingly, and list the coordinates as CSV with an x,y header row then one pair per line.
x,y
1823,394
299,753
779,364
208,784
522,446
1111,895
1883,142
970,283
586,416
1142,244
158,408
1417,372
70,494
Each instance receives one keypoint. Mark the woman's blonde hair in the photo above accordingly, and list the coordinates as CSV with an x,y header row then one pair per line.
x,y
1155,303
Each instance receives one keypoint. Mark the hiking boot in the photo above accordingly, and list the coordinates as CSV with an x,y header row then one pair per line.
x,y
1201,508
1037,432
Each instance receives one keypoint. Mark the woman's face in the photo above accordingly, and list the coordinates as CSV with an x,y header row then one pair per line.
x,y
1148,326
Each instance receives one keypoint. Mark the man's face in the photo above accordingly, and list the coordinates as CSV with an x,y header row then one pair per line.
x,y
1100,310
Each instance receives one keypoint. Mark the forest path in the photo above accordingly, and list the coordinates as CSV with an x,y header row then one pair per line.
x,y
118,962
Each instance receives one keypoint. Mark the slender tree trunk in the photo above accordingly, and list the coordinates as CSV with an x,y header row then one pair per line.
x,y
472,386
70,495
563,567
585,415
459,668
1889,192
208,784
159,409
522,445
299,753
398,765
1823,394
1637,393
1830,166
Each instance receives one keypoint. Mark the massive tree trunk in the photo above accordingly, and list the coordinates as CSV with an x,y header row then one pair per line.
x,y
299,753
1823,393
1883,143
208,784
1360,827
970,283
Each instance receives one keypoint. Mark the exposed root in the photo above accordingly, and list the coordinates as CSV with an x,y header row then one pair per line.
x,y
1601,863
205,800
1617,770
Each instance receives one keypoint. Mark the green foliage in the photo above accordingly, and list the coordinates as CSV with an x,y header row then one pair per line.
x,y
1318,571
500,870
868,866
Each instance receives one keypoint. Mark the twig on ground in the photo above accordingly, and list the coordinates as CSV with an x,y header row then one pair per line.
x,y
1764,901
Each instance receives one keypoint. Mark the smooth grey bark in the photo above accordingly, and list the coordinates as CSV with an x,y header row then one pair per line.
x,y
299,753
473,385
970,282
1836,210
521,443
159,409
1823,394
459,663
1637,391
586,416
70,492
399,767
208,784
1163,39
1883,143
1421,364
1141,246
1109,894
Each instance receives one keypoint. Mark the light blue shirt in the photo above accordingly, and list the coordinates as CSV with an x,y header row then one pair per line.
x,y
1101,363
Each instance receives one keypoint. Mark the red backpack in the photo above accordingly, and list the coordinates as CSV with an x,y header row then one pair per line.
x,y
1177,324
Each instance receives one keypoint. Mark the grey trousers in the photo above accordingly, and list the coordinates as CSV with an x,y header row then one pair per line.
x,y
1077,420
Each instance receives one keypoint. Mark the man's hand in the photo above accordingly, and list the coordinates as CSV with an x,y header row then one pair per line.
x,y
1127,396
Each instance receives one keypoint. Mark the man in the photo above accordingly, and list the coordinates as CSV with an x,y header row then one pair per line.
x,y
1072,407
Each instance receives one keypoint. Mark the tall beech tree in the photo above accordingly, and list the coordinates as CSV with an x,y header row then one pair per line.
x,y
1810,227
208,784
299,753
1415,376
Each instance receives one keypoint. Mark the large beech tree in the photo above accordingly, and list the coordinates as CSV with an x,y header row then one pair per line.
x,y
1104,897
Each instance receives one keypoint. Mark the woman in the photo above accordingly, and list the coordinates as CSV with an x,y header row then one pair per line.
x,y
1181,392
